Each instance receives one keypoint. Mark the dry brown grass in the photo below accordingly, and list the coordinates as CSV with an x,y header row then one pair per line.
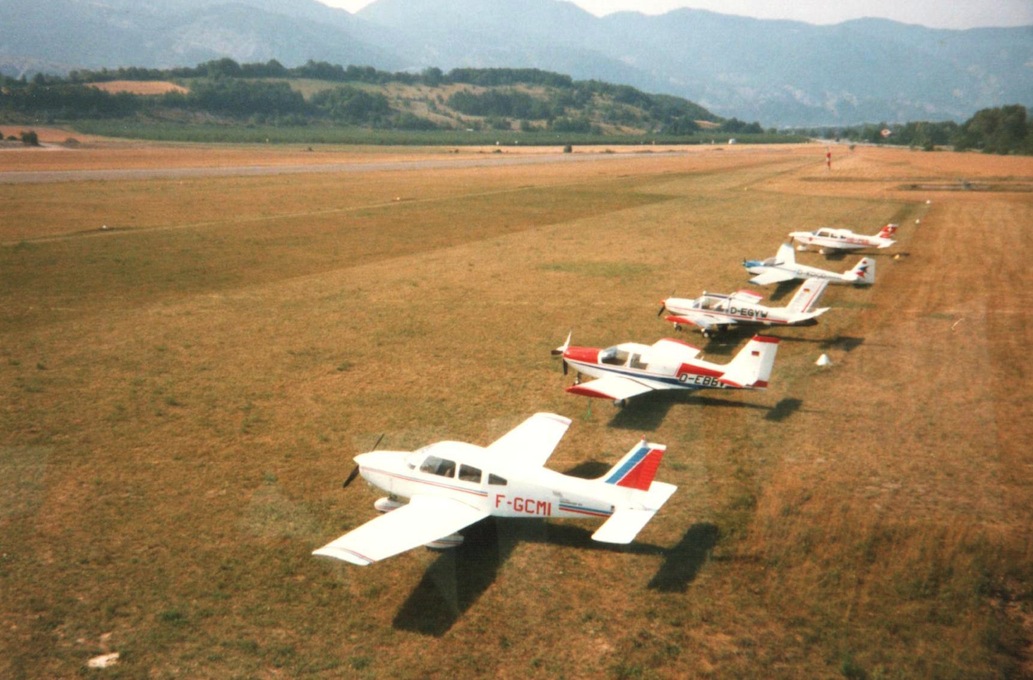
x,y
144,87
185,390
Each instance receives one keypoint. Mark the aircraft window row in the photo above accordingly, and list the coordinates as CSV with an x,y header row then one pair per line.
x,y
638,362
468,473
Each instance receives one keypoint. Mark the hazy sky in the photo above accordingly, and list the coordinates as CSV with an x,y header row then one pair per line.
x,y
933,13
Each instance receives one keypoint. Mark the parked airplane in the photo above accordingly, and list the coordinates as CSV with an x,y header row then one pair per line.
x,y
713,312
630,369
783,267
450,485
827,238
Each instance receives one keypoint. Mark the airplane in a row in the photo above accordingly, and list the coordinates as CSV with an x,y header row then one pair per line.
x,y
451,485
835,240
629,369
784,267
714,312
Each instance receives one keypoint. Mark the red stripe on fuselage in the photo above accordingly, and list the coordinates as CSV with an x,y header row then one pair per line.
x,y
692,369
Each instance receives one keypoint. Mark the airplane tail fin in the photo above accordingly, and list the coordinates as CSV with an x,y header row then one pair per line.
x,y
888,231
864,271
637,468
635,472
752,366
806,299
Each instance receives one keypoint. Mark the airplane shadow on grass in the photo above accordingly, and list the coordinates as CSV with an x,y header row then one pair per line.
x,y
783,289
646,413
458,577
844,343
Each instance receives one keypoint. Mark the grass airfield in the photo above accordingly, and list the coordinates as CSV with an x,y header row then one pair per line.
x,y
184,391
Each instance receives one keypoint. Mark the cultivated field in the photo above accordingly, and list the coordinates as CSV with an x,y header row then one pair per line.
x,y
146,87
189,361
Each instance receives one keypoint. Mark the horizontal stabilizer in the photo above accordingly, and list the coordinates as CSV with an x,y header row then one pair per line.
x,y
623,526
625,523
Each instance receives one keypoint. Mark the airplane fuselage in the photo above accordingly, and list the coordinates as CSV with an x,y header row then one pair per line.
x,y
462,471
694,375
840,239
735,313
801,271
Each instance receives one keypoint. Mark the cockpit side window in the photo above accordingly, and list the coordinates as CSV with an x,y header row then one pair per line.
x,y
614,356
495,480
468,473
438,466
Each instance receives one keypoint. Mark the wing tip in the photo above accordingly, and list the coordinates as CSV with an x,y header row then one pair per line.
x,y
344,555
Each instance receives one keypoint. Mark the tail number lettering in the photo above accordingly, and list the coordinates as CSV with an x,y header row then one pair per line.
x,y
526,506
705,381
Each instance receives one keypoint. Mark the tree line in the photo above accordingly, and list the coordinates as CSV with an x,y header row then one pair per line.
x,y
1000,130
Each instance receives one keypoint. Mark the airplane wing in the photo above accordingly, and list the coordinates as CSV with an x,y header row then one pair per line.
x,y
423,520
746,296
704,321
772,276
532,441
611,387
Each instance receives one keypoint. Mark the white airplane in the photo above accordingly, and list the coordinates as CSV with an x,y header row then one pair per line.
x,y
783,267
630,369
713,312
827,238
450,485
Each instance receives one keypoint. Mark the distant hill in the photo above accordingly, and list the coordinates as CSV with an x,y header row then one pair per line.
x,y
539,106
775,72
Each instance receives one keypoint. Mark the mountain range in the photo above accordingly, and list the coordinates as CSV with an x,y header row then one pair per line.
x,y
780,73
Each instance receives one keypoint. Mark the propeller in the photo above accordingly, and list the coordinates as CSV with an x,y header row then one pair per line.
x,y
355,470
663,307
559,351
351,477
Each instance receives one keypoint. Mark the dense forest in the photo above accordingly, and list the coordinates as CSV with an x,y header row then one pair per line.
x,y
529,100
